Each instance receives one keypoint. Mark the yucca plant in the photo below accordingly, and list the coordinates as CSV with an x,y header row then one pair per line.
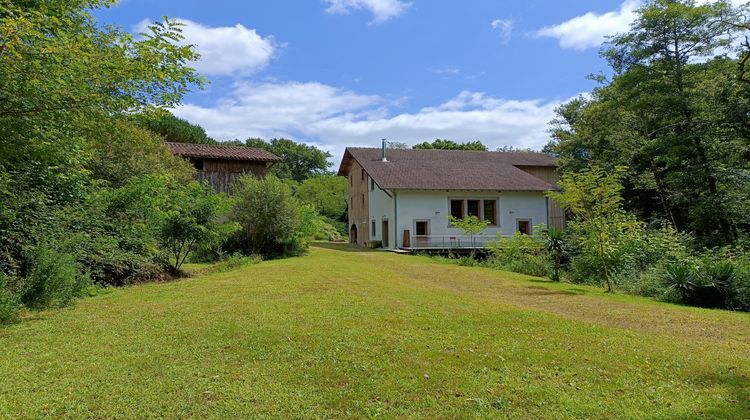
x,y
680,278
720,279
554,241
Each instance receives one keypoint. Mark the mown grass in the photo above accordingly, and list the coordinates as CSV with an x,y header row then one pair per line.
x,y
345,333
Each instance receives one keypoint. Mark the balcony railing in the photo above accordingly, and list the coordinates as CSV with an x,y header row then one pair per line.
x,y
450,241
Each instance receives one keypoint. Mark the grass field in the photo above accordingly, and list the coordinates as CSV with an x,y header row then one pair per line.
x,y
349,333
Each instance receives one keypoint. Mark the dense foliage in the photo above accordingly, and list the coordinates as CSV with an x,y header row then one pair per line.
x,y
274,222
300,161
87,195
172,128
451,145
674,113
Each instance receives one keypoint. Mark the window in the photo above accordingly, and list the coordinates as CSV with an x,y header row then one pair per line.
x,y
457,209
490,212
472,208
524,226
422,228
482,209
198,164
363,174
372,184
363,200
372,232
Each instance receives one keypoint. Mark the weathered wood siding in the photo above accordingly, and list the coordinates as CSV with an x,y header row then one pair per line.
x,y
550,176
220,174
358,203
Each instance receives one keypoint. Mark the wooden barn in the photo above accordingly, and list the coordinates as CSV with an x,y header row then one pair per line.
x,y
221,165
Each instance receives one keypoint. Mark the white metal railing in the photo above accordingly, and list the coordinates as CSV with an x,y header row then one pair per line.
x,y
450,241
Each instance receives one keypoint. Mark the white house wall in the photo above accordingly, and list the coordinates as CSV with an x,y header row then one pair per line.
x,y
434,207
381,208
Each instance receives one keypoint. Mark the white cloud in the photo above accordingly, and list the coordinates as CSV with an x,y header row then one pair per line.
x,y
504,27
334,118
591,29
382,10
225,50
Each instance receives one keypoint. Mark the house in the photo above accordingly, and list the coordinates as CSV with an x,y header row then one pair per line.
x,y
401,198
221,165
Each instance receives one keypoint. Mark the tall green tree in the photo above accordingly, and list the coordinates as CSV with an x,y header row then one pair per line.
x,y
300,161
672,113
63,77
326,193
451,145
172,128
599,222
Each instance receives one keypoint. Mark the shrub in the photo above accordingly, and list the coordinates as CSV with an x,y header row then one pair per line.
x,y
192,219
274,223
682,280
54,280
522,254
325,231
234,262
9,305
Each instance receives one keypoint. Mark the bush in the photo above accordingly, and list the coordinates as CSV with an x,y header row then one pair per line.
x,y
54,280
9,305
274,223
522,254
192,219
234,262
325,231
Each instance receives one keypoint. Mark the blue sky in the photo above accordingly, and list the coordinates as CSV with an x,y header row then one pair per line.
x,y
338,73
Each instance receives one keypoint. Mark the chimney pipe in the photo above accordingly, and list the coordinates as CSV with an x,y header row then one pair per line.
x,y
384,159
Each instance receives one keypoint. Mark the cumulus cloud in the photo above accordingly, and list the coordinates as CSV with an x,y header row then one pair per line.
x,y
382,10
504,27
334,118
225,50
591,29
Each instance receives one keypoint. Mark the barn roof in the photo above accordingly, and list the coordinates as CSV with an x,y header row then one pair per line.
x,y
218,151
429,169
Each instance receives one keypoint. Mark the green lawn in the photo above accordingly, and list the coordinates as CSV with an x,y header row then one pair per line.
x,y
347,333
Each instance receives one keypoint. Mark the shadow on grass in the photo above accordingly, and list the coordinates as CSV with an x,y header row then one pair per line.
x,y
737,404
340,246
539,290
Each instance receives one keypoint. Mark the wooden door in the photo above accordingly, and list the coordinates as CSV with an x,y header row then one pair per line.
x,y
385,232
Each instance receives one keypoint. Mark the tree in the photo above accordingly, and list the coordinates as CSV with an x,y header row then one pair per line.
x,y
300,161
451,145
470,226
63,77
120,151
671,114
601,226
172,128
194,218
326,193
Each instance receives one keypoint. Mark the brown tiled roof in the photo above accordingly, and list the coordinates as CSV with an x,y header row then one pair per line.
x,y
217,151
449,169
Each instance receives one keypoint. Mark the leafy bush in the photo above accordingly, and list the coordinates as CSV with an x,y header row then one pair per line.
x,y
234,262
9,305
325,231
193,218
274,223
522,254
54,280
